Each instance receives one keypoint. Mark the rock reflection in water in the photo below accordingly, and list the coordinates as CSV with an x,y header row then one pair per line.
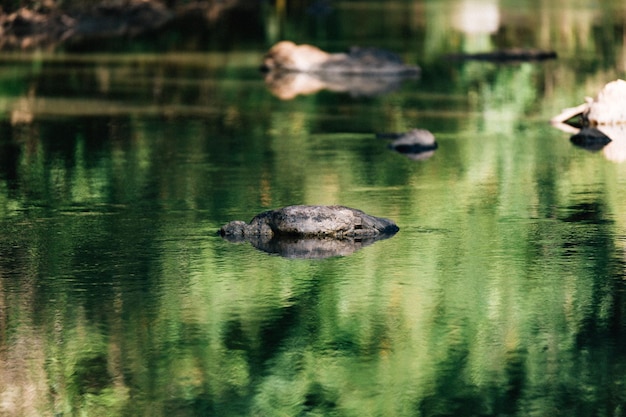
x,y
287,85
307,248
590,138
610,139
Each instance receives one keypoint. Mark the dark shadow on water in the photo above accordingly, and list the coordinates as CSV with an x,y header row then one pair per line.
x,y
453,395
592,213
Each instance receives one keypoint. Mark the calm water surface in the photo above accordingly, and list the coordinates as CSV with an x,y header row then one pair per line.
x,y
502,295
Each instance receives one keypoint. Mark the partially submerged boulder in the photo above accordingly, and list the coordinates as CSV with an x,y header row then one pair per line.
x,y
506,55
599,123
287,56
609,107
312,221
418,144
306,69
310,231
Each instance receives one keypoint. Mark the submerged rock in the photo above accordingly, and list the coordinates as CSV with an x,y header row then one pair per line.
x,y
507,55
312,221
287,56
310,231
418,144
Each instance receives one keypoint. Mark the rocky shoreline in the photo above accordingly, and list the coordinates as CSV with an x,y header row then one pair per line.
x,y
51,25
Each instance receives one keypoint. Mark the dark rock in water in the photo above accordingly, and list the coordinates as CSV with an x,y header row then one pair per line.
x,y
417,144
507,55
319,8
310,231
590,138
27,28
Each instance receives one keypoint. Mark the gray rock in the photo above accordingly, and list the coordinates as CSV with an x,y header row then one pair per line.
x,y
310,231
312,221
417,144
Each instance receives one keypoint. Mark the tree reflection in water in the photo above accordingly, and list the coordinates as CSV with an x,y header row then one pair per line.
x,y
501,296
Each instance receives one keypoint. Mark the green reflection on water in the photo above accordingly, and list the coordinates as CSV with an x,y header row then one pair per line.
x,y
500,295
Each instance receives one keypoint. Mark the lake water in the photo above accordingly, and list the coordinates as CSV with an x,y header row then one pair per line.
x,y
503,293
